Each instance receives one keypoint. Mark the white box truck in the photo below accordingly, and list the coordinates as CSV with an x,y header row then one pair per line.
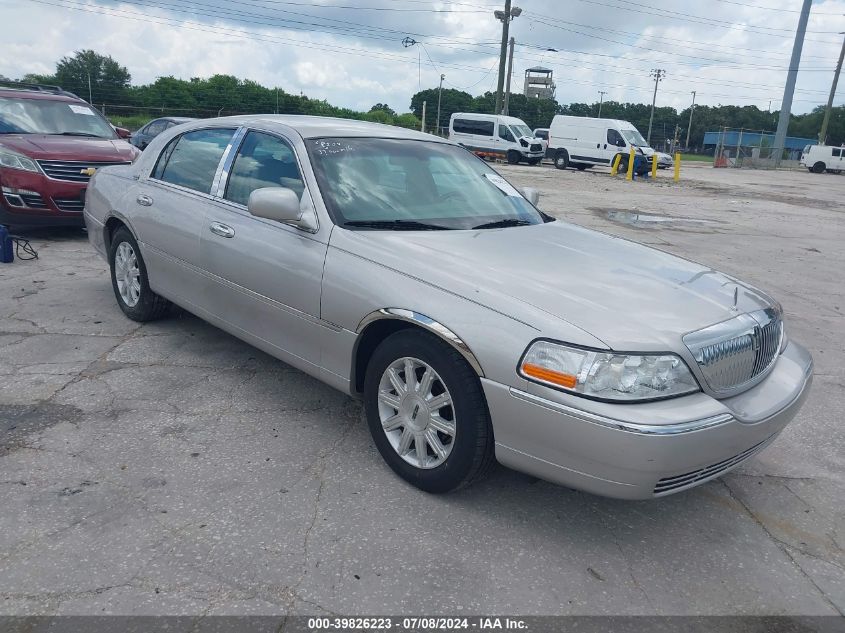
x,y
581,142
821,158
496,136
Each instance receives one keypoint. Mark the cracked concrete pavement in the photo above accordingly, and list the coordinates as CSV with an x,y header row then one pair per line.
x,y
169,468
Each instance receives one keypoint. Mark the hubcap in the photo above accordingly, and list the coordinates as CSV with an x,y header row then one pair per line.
x,y
416,412
127,274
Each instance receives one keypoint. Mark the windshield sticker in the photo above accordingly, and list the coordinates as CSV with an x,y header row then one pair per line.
x,y
81,109
505,187
326,148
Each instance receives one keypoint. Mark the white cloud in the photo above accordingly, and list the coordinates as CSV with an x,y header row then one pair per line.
x,y
363,66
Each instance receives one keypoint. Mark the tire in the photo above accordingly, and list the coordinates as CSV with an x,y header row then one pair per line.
x,y
818,168
513,157
534,161
562,159
463,456
623,166
130,282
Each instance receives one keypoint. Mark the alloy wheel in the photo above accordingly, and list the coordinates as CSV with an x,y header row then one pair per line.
x,y
127,274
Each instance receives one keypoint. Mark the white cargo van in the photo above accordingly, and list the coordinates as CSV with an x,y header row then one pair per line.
x,y
582,142
496,136
820,158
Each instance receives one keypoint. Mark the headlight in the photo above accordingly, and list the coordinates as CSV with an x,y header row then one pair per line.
x,y
11,160
607,375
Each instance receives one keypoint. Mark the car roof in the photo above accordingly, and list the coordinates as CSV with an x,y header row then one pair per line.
x,y
36,94
308,126
177,119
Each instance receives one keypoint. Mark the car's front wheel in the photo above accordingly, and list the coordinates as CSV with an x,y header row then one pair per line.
x,y
129,280
427,412
819,167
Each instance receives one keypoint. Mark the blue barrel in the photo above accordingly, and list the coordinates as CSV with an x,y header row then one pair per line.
x,y
7,254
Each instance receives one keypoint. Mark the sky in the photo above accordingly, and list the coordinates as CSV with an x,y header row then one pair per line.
x,y
351,52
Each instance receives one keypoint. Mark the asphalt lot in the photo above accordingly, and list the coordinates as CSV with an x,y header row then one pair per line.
x,y
170,468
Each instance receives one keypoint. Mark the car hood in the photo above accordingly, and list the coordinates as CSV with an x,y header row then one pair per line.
x,y
629,296
56,147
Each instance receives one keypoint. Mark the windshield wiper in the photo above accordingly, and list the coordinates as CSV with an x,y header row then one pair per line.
x,y
80,134
396,225
501,224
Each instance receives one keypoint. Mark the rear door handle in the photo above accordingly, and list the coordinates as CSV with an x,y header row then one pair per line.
x,y
144,200
222,230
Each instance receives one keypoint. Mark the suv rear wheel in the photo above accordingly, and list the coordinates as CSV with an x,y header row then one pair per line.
x,y
562,159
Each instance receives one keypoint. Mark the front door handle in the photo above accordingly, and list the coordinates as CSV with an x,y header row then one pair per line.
x,y
144,200
222,230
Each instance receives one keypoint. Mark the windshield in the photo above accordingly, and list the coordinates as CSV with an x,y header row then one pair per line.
x,y
522,130
400,184
45,116
634,137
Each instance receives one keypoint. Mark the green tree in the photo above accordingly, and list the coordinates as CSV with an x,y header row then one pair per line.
x,y
383,107
109,80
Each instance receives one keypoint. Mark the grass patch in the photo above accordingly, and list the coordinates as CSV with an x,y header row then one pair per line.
x,y
696,158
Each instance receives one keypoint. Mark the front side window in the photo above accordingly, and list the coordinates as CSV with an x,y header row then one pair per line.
x,y
543,134
375,183
191,160
615,138
156,127
505,133
48,116
263,161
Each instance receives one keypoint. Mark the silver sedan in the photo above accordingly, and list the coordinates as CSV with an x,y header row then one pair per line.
x,y
402,270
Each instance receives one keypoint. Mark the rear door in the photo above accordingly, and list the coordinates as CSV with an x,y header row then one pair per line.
x,y
168,208
265,276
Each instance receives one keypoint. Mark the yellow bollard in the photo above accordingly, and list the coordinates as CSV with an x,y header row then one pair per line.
x,y
614,168
654,165
630,174
677,166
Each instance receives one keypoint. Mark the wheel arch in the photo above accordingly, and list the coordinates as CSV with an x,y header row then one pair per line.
x,y
380,324
112,224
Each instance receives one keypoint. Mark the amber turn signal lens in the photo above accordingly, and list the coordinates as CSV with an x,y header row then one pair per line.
x,y
548,375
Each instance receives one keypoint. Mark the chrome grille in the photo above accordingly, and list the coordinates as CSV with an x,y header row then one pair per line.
x,y
687,480
69,204
735,352
72,170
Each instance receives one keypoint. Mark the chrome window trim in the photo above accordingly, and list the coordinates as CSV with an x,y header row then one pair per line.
x,y
226,172
221,176
621,425
427,323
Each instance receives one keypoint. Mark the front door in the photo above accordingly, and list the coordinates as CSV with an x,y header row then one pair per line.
x,y
265,276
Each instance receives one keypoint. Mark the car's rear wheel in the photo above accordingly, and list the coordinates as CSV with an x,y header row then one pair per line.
x,y
129,279
427,413
514,157
562,159
818,168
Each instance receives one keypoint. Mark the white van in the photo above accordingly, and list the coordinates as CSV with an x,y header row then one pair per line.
x,y
582,142
820,158
496,136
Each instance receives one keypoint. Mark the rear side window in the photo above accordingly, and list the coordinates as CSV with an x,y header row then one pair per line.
x,y
263,161
191,160
156,127
471,126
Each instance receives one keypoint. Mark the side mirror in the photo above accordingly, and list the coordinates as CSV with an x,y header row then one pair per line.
x,y
122,132
275,203
531,194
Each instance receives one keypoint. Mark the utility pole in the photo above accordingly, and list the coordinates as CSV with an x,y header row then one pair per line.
x,y
439,94
508,82
689,127
505,18
658,74
791,77
601,99
90,100
823,132
422,121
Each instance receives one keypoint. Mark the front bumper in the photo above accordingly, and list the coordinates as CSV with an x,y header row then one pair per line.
x,y
641,451
48,202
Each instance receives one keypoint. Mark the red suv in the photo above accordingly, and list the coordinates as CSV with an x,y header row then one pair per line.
x,y
51,143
